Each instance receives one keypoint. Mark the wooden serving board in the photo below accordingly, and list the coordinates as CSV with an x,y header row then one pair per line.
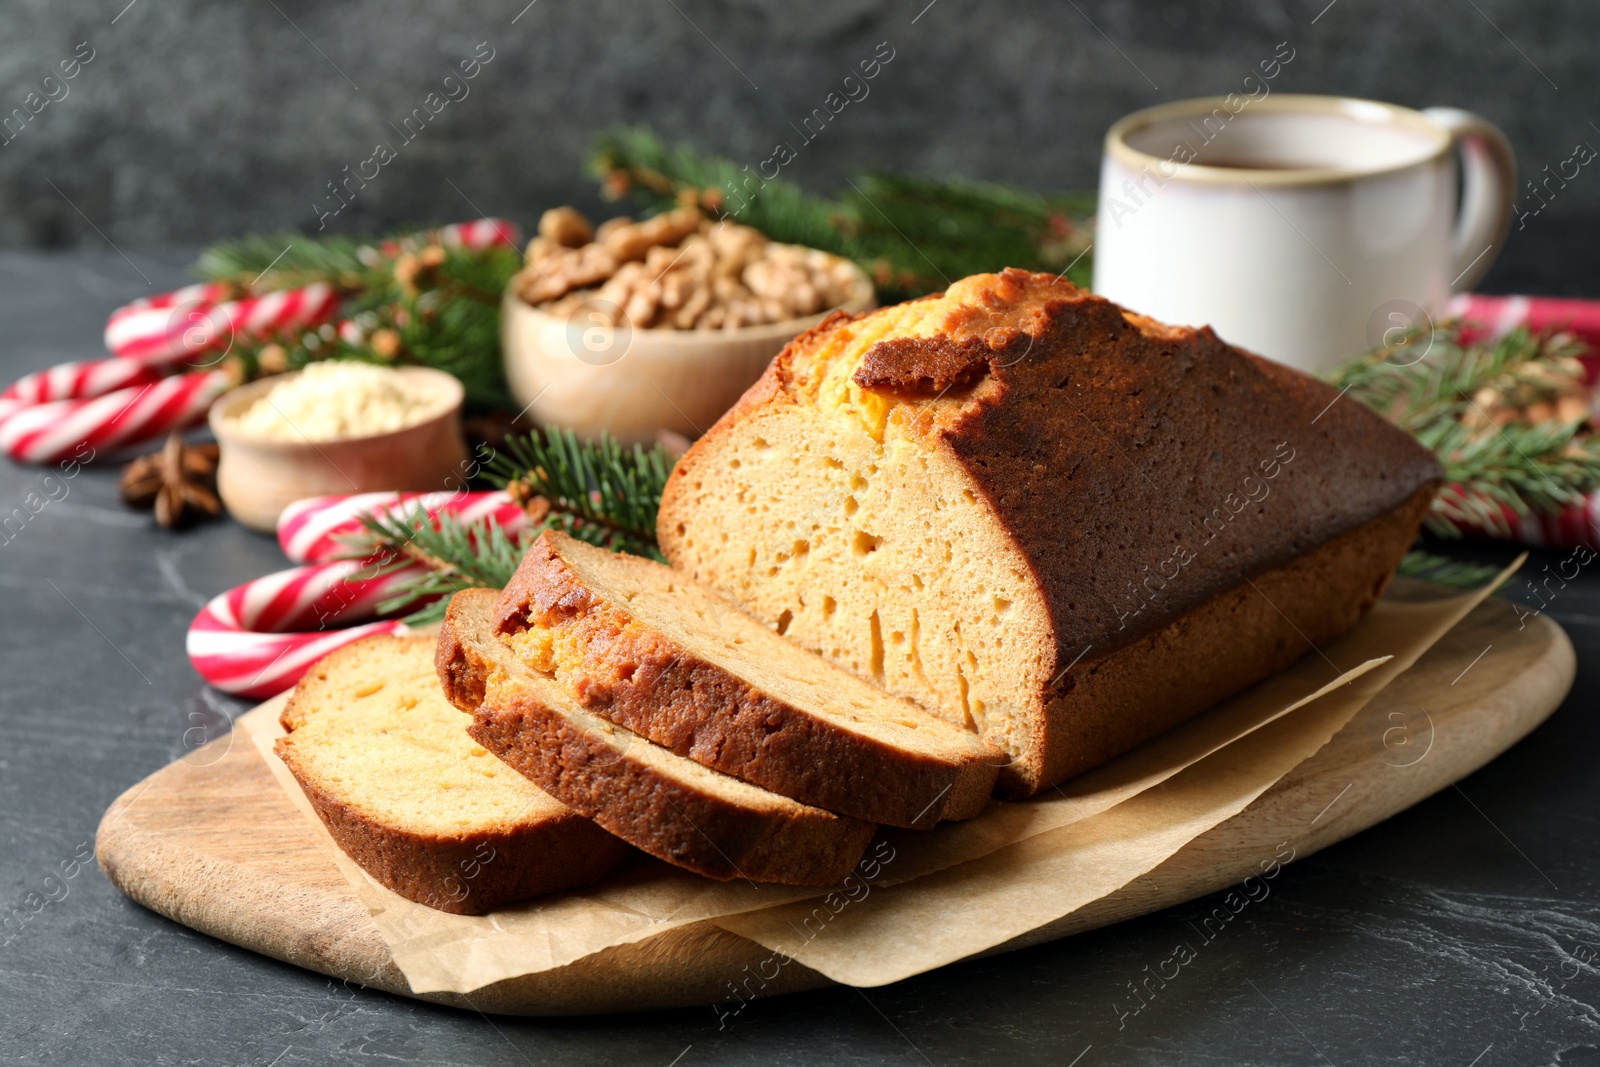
x,y
212,841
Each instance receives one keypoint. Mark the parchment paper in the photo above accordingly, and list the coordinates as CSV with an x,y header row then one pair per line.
x,y
885,935
972,885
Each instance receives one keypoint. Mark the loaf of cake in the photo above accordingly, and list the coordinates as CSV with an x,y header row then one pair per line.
x,y
428,812
655,651
1057,523
665,804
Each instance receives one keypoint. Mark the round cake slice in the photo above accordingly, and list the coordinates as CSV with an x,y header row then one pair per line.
x,y
386,762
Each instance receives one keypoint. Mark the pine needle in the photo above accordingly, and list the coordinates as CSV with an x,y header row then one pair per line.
x,y
270,261
456,555
1443,570
598,492
1427,384
912,235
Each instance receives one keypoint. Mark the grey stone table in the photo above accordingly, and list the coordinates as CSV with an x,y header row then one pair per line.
x,y
1465,931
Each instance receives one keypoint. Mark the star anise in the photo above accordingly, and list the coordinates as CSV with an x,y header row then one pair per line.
x,y
180,482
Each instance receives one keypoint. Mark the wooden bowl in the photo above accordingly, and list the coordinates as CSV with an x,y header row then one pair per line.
x,y
634,383
258,477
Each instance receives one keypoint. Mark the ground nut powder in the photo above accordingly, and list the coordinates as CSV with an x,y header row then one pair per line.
x,y
338,399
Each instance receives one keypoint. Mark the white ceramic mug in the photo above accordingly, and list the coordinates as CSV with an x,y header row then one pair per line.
x,y
1305,228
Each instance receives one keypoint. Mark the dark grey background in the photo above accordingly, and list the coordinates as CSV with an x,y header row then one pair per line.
x,y
1434,938
201,119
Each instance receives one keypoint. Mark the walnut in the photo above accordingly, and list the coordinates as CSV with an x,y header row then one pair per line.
x,y
562,271
679,271
634,241
566,226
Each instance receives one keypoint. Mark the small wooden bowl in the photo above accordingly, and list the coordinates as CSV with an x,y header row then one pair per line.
x,y
258,477
633,383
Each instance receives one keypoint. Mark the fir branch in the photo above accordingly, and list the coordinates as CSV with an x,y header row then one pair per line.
x,y
442,312
961,228
266,262
1430,383
912,235
456,327
456,555
598,491
1543,467
1443,570
1428,375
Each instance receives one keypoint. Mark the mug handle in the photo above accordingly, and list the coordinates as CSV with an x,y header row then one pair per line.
x,y
1488,188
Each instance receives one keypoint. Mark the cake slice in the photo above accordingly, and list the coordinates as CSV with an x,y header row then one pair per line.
x,y
1062,524
417,803
652,650
665,804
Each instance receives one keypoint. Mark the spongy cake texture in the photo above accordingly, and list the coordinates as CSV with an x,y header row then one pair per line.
x,y
386,762
1060,524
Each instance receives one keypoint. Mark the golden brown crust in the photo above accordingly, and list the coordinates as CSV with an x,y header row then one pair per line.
x,y
463,673
663,804
1105,441
1109,443
641,679
924,365
1106,705
689,827
469,652
471,874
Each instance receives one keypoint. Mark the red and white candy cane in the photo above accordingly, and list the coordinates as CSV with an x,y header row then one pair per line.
x,y
56,429
200,318
174,332
1572,526
148,315
105,404
1569,528
82,378
479,233
257,639
198,293
313,530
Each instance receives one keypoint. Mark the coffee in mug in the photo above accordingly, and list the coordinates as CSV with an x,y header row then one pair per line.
x,y
1305,228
